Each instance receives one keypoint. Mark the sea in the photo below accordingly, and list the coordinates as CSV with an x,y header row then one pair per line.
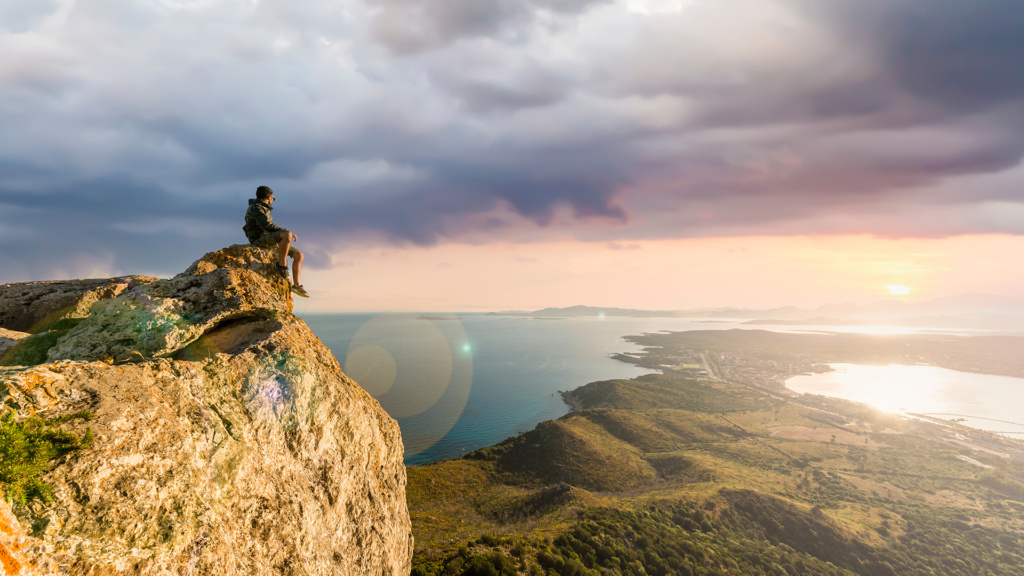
x,y
459,382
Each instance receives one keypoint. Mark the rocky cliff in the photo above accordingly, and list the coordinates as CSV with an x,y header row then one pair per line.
x,y
226,438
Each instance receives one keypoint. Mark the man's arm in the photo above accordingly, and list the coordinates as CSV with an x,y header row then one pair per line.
x,y
263,220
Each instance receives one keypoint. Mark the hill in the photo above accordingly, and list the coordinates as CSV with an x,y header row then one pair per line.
x,y
667,475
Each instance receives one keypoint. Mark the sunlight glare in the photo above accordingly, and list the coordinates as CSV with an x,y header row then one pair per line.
x,y
898,290
893,388
654,7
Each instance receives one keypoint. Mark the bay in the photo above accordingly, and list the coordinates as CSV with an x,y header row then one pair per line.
x,y
467,381
982,401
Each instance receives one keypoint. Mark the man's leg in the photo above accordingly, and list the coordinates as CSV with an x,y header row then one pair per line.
x,y
284,243
296,266
296,271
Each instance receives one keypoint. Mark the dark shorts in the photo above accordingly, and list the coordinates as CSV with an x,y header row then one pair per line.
x,y
270,240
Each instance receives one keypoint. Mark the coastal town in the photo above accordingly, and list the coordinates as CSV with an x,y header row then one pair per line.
x,y
766,360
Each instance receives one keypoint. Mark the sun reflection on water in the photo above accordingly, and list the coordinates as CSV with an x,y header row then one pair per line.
x,y
978,400
898,388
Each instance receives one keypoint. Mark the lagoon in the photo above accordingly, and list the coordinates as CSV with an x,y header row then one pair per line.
x,y
982,401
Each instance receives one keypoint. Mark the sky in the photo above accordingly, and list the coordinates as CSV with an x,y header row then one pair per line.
x,y
519,154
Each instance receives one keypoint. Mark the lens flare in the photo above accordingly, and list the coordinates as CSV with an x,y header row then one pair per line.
x,y
419,368
420,353
373,367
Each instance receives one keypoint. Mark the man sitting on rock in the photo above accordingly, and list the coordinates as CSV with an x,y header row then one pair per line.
x,y
261,231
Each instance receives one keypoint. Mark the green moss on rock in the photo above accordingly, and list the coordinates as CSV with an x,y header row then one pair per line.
x,y
27,449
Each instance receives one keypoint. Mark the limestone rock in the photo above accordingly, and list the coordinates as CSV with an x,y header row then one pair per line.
x,y
39,306
230,443
19,552
8,338
162,318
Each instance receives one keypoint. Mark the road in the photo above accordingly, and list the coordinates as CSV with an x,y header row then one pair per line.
x,y
707,367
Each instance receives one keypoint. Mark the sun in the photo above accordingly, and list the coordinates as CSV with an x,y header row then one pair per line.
x,y
898,289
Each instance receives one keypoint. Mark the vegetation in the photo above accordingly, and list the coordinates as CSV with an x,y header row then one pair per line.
x,y
988,354
31,350
27,449
742,533
666,475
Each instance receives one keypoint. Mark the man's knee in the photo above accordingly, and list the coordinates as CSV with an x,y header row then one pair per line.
x,y
283,235
297,255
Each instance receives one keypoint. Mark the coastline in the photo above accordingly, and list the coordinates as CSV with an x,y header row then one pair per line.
x,y
667,443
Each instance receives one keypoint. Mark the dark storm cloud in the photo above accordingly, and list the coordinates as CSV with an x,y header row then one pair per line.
x,y
963,56
502,97
951,57
536,183
133,139
408,26
904,96
135,226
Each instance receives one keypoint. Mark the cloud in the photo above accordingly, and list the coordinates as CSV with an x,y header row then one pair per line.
x,y
960,56
130,226
134,133
410,26
519,86
19,16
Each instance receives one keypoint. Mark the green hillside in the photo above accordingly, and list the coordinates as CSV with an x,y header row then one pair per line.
x,y
667,475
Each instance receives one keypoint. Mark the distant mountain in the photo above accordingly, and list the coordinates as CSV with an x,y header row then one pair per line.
x,y
969,311
584,311
1006,322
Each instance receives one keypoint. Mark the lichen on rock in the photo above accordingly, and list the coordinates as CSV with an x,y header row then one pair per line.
x,y
227,439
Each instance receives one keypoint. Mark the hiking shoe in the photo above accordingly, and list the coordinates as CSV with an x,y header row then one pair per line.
x,y
283,271
300,291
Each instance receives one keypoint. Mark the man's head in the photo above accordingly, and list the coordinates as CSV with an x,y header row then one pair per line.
x,y
265,194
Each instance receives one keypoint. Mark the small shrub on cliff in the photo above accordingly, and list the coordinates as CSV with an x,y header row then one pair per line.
x,y
26,449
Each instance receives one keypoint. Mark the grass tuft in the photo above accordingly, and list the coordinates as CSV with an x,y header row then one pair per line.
x,y
28,447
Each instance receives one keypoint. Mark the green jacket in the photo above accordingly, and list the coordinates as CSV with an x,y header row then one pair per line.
x,y
258,221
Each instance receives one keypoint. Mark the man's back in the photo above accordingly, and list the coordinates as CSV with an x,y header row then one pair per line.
x,y
258,221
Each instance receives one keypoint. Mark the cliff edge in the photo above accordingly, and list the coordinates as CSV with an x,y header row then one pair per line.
x,y
227,440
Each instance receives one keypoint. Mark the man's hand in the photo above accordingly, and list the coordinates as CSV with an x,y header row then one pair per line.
x,y
294,237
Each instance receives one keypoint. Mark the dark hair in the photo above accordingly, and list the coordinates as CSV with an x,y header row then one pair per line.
x,y
264,192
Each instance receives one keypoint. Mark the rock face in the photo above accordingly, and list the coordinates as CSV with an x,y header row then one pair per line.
x,y
38,306
8,339
227,439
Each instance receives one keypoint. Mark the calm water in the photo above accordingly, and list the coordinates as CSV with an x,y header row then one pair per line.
x,y
459,383
455,384
983,401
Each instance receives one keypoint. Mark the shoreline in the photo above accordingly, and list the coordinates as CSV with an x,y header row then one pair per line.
x,y
719,364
